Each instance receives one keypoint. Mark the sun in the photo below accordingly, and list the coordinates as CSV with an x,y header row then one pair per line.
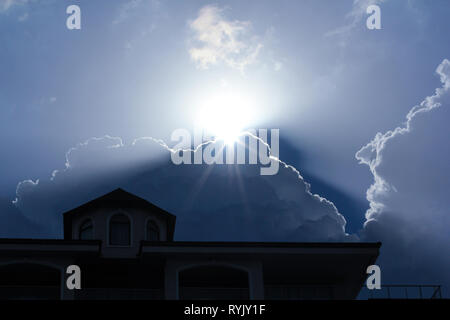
x,y
225,115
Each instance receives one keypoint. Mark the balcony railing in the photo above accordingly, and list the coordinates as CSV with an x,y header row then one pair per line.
x,y
271,292
119,294
214,293
299,292
415,291
29,292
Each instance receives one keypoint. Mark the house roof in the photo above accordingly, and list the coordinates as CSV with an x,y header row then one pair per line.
x,y
171,247
118,198
50,246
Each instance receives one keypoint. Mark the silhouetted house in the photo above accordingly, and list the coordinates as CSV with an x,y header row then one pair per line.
x,y
125,249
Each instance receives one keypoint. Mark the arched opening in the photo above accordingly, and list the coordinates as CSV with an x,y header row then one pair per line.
x,y
119,230
152,233
29,281
121,279
86,231
214,282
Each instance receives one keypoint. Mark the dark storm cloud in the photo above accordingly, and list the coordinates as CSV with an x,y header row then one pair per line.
x,y
409,199
14,224
212,202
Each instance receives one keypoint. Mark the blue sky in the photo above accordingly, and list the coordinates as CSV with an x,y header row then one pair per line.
x,y
311,68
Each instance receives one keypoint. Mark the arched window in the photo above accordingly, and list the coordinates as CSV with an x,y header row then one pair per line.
x,y
119,230
86,231
152,231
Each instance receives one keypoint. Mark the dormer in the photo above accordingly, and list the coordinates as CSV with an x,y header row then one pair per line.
x,y
121,221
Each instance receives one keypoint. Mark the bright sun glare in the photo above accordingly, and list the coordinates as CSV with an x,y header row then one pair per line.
x,y
225,115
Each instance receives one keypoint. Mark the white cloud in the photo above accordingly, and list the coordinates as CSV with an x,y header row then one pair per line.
x,y
211,202
409,199
5,5
219,40
23,17
355,16
277,66
372,153
127,9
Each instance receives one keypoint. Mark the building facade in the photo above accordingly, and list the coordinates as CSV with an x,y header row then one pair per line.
x,y
124,247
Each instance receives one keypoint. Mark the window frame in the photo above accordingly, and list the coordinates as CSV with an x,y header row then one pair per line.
x,y
83,222
108,228
155,224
